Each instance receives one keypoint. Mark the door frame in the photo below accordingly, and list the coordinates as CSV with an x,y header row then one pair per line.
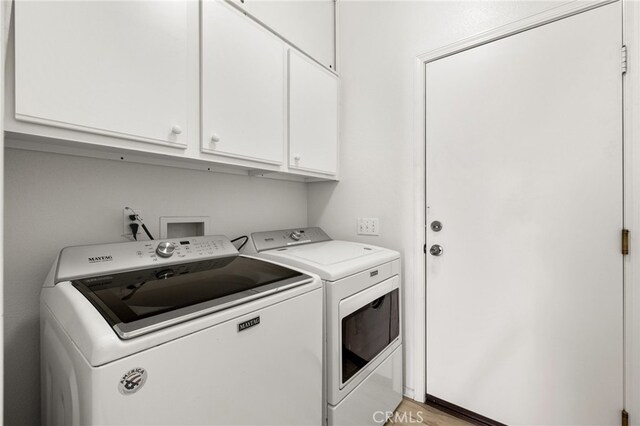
x,y
562,11
631,164
6,10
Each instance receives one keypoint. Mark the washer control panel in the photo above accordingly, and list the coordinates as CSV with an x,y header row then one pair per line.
x,y
190,248
271,240
84,261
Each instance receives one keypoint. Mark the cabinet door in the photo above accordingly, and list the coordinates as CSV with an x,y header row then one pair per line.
x,y
308,25
118,68
313,116
243,87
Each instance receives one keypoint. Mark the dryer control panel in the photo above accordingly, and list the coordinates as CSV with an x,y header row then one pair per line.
x,y
271,240
100,259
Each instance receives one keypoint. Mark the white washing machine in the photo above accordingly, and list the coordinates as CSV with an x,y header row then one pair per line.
x,y
363,353
182,332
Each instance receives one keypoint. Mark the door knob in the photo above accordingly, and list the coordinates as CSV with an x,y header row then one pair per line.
x,y
436,250
215,137
176,130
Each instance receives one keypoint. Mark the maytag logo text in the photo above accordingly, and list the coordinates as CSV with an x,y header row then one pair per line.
x,y
98,259
248,324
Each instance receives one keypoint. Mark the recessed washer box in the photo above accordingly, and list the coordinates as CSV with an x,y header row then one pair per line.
x,y
184,226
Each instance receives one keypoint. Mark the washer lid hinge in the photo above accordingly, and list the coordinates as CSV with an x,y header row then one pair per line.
x,y
625,418
625,242
624,59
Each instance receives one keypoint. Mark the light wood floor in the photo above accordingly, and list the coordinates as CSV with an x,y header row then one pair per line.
x,y
411,413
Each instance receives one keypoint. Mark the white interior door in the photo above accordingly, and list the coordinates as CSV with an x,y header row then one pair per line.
x,y
524,170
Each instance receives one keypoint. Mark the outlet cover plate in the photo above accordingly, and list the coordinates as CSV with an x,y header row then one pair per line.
x,y
368,226
126,231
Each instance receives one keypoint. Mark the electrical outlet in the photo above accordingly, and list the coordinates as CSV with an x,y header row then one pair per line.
x,y
368,226
126,230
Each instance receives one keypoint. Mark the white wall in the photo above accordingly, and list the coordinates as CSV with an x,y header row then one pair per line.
x,y
53,201
377,46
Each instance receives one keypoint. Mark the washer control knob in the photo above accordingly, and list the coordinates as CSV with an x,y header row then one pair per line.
x,y
165,249
295,235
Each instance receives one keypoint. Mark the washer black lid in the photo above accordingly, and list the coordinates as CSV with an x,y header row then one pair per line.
x,y
139,302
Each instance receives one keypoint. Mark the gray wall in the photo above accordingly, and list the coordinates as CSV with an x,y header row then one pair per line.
x,y
53,201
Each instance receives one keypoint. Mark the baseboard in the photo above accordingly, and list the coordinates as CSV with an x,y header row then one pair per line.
x,y
459,412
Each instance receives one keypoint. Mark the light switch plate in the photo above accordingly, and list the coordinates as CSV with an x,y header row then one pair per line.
x,y
368,226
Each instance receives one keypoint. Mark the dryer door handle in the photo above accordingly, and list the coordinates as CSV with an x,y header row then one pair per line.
x,y
352,303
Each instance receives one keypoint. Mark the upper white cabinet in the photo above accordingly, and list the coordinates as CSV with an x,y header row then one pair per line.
x,y
116,68
243,87
200,85
313,116
309,25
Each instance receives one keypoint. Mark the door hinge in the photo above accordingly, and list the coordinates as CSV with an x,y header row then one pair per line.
x,y
625,418
625,242
624,59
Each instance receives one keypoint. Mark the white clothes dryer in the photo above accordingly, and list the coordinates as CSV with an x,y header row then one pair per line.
x,y
363,349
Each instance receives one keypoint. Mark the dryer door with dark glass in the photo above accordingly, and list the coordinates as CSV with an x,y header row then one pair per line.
x,y
370,322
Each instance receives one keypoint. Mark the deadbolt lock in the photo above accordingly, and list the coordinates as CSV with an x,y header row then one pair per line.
x,y
436,226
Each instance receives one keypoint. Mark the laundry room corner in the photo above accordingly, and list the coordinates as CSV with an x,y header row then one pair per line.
x,y
323,212
381,159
